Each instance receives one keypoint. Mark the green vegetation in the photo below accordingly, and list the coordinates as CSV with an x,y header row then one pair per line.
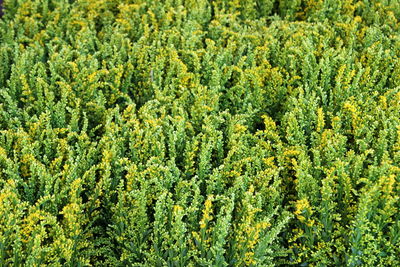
x,y
200,133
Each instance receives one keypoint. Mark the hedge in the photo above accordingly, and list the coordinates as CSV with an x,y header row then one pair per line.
x,y
200,133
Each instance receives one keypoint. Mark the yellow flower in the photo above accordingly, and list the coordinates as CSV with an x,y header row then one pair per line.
x,y
301,206
207,212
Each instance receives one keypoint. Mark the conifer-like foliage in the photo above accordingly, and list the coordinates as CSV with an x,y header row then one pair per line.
x,y
200,133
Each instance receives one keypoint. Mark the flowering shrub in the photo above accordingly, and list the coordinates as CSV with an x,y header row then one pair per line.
x,y
200,133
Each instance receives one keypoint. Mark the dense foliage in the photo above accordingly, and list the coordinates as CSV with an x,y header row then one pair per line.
x,y
200,133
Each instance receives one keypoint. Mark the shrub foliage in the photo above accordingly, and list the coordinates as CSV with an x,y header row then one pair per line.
x,y
200,133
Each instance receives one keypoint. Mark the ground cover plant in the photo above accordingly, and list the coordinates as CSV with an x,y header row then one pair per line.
x,y
200,133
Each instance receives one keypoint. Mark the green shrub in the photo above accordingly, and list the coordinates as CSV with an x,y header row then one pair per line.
x,y
200,133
